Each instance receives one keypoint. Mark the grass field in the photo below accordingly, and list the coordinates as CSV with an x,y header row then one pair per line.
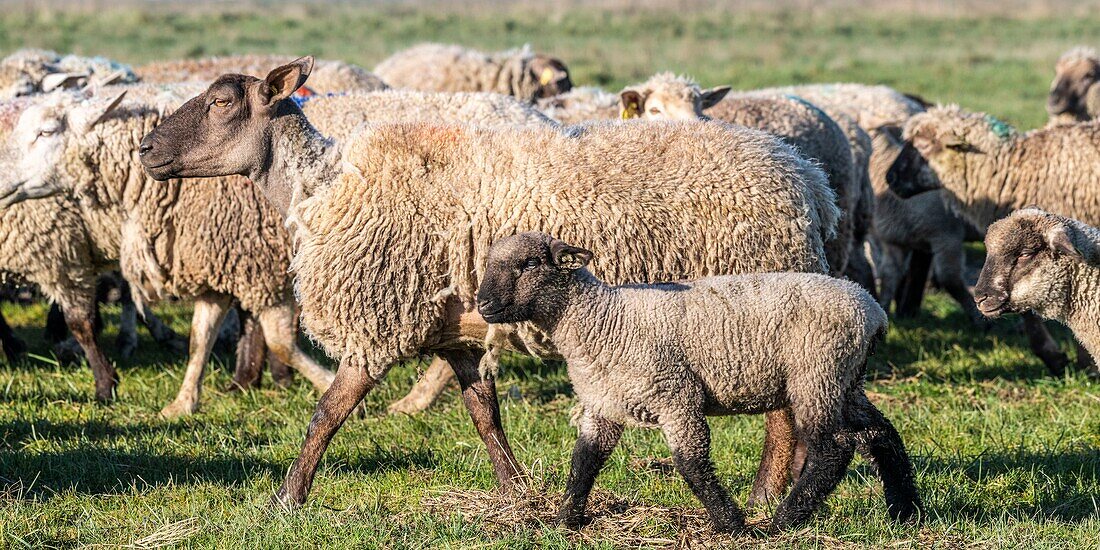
x,y
1006,456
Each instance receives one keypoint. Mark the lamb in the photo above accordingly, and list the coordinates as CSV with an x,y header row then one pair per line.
x,y
331,76
1048,264
450,68
666,96
30,71
668,355
215,242
392,227
1075,91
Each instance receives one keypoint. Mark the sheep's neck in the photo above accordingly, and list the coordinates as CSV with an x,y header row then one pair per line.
x,y
1083,317
299,161
591,311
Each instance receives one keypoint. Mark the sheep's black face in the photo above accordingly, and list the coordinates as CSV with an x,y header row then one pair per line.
x,y
527,278
905,175
226,130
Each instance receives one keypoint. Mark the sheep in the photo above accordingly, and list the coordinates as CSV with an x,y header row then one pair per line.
x,y
581,105
29,71
214,243
665,96
1075,91
1045,263
331,76
392,227
450,68
668,355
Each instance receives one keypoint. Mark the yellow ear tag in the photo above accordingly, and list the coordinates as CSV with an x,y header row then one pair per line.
x,y
630,111
546,77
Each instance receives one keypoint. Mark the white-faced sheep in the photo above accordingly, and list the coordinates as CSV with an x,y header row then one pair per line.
x,y
1045,263
668,355
448,68
1075,91
581,105
393,227
214,242
330,76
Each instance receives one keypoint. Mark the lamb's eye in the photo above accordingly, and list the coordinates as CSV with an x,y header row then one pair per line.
x,y
532,263
222,103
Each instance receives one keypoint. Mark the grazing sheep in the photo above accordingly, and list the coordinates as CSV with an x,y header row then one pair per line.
x,y
30,71
668,355
329,76
214,242
448,68
666,96
581,105
392,228
1075,91
1048,264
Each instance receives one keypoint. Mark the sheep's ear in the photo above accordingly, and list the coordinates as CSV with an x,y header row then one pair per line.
x,y
1059,241
631,103
712,96
281,82
926,142
547,69
55,81
568,257
961,144
102,114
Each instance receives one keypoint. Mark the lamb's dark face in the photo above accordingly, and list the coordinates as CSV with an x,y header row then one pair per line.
x,y
552,75
1025,265
226,129
527,276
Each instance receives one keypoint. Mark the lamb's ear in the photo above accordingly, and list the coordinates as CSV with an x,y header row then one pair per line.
x,y
281,82
1059,241
55,81
631,103
712,96
104,112
568,257
926,142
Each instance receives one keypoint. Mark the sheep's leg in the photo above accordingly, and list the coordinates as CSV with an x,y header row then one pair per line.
x,y
859,269
353,381
826,461
427,389
912,284
776,462
13,345
689,441
881,445
949,267
127,340
57,329
1043,344
161,333
596,439
209,312
280,330
251,349
80,317
891,261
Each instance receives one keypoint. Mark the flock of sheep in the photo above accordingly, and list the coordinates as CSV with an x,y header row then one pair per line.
x,y
686,257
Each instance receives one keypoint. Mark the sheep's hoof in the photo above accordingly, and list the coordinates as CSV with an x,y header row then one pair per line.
x,y
178,408
281,502
571,520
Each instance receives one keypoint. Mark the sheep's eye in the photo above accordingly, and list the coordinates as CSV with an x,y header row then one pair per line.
x,y
1027,253
654,111
222,103
532,263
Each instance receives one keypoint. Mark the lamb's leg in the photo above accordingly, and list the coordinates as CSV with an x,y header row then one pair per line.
x,y
689,440
826,461
281,332
859,269
774,473
57,329
127,340
426,390
596,438
891,261
13,345
251,349
881,445
353,381
911,286
1044,345
480,396
80,317
209,312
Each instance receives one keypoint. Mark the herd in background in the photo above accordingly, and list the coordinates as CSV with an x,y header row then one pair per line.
x,y
373,201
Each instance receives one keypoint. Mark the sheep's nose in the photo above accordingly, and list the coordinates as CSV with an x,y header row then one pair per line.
x,y
145,147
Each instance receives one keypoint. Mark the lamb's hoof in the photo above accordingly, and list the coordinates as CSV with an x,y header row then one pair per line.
x,y
282,502
905,512
177,409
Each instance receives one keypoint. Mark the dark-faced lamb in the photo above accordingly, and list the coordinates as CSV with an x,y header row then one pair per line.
x,y
668,355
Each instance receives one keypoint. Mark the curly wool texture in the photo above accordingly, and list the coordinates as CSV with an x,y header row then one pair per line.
x,y
581,105
418,205
22,72
1001,170
452,68
327,76
177,238
339,116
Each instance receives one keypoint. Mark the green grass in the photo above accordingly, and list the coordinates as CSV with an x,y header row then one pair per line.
x,y
1006,456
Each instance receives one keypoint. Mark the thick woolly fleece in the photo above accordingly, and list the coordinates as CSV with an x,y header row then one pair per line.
x,y
1060,288
581,105
339,116
988,169
327,77
452,68
432,198
22,72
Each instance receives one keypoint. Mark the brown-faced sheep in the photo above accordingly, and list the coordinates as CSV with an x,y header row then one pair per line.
x,y
432,198
669,355
448,68
1075,91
